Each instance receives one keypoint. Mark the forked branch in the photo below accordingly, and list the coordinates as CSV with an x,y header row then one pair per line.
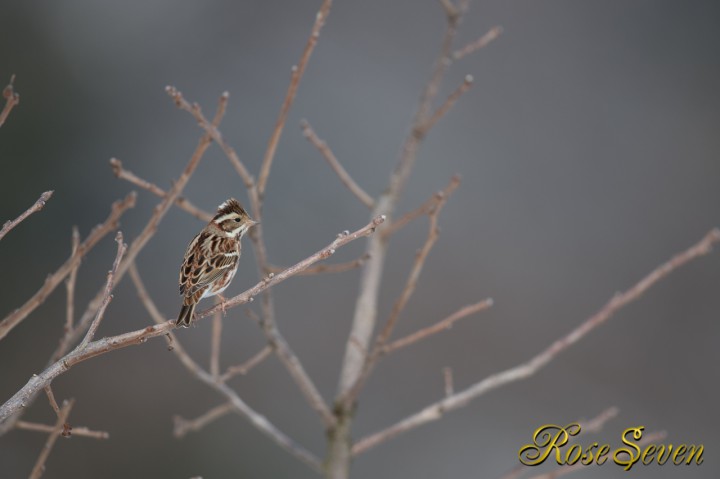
x,y
437,410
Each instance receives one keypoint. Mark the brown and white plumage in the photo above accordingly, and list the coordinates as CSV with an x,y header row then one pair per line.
x,y
212,257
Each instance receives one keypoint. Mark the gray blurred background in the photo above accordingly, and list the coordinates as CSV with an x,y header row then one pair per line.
x,y
589,154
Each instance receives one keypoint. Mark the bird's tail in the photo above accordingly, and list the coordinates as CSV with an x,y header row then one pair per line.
x,y
186,315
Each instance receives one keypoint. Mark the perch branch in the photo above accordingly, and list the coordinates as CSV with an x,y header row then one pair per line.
x,y
181,202
11,99
342,173
37,206
59,428
476,45
328,268
443,325
105,345
297,74
435,411
52,281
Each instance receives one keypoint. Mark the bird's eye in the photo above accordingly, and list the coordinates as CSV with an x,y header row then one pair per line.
x,y
237,220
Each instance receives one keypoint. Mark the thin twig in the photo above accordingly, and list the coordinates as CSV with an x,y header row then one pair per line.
x,y
328,268
421,210
52,281
76,431
59,428
70,284
37,206
52,401
342,173
476,45
122,247
11,100
181,202
443,109
341,240
183,426
244,368
297,74
215,338
435,411
443,325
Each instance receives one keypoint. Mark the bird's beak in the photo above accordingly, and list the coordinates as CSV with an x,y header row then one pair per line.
x,y
253,223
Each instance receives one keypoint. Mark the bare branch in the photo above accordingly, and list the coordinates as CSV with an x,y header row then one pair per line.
x,y
122,247
435,411
11,99
182,203
341,240
183,426
476,45
76,431
443,325
297,74
37,206
52,281
244,368
344,176
421,210
328,268
448,104
70,284
59,428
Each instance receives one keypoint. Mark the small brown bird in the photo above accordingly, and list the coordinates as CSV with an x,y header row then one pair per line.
x,y
212,257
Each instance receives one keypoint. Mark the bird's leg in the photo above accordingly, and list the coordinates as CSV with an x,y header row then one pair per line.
x,y
223,301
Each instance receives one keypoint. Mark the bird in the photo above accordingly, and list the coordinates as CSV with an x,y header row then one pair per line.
x,y
212,257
